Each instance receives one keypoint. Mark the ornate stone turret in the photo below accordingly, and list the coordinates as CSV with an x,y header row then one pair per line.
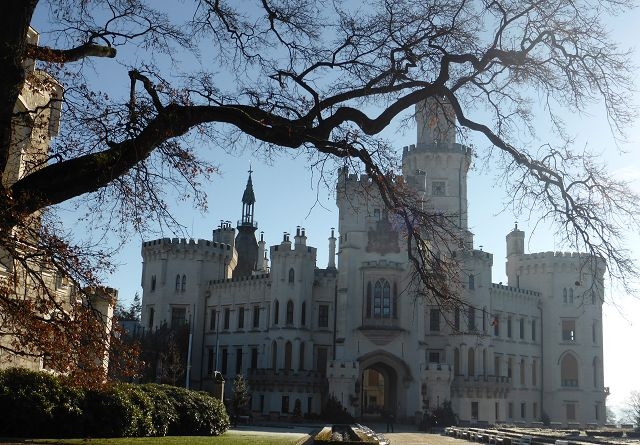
x,y
246,244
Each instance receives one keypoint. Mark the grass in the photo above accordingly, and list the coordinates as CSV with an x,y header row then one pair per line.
x,y
229,438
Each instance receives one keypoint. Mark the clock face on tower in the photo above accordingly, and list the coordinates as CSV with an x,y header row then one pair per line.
x,y
437,188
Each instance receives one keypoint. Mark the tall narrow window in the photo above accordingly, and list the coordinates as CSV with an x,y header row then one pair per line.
x,y
212,319
276,312
274,355
227,318
177,282
394,305
292,275
471,362
533,330
238,361
564,295
153,283
434,320
151,314
456,319
369,296
183,287
522,371
570,295
509,327
456,361
472,282
240,318
256,317
471,318
386,300
521,328
323,316
569,371
510,367
289,318
534,373
254,358
303,314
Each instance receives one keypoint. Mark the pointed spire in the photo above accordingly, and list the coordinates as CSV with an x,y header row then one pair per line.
x,y
248,197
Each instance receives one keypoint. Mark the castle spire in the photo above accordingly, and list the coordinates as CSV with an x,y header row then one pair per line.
x,y
246,243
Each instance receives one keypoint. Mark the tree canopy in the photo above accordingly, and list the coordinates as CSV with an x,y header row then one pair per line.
x,y
319,77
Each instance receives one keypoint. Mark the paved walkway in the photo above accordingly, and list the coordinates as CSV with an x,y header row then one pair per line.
x,y
402,435
409,435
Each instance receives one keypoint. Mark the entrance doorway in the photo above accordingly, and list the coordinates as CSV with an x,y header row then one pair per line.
x,y
379,390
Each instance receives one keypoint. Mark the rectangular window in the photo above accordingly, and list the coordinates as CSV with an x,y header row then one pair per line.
x,y
323,316
241,318
497,411
238,361
509,327
212,319
510,410
438,188
523,410
474,410
534,374
256,316
321,363
594,332
522,329
223,364
151,314
571,411
227,317
535,410
509,367
496,326
285,404
434,357
533,330
178,316
434,320
254,358
568,330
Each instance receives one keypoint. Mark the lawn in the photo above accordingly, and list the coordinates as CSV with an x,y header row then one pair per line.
x,y
229,438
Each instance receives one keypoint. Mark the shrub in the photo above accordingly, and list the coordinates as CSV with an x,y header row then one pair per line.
x,y
37,404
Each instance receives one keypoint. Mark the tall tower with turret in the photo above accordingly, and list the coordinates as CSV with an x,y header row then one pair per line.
x,y
246,243
436,166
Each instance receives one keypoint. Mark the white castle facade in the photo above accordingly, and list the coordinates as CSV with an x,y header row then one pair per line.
x,y
297,332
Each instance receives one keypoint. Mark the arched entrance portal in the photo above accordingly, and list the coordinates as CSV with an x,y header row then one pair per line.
x,y
385,379
379,390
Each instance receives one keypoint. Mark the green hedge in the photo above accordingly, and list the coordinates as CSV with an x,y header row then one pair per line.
x,y
40,405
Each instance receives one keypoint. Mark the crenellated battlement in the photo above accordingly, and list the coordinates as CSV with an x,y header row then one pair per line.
x,y
441,147
248,280
188,244
514,290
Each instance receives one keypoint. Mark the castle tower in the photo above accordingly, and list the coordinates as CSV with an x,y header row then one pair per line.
x,y
246,244
437,165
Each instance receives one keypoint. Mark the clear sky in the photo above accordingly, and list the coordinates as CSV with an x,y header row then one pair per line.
x,y
289,194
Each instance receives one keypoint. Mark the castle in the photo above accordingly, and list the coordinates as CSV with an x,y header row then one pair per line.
x,y
517,353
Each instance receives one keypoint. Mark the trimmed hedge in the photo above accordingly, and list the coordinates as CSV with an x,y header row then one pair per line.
x,y
39,405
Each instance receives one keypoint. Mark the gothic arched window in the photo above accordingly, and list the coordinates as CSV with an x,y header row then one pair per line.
x,y
184,283
303,314
369,295
569,371
382,299
472,282
177,282
289,319
292,275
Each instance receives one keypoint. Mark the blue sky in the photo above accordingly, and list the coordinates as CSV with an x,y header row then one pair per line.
x,y
289,194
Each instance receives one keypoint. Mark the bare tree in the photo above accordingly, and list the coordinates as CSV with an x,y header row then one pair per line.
x,y
322,78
